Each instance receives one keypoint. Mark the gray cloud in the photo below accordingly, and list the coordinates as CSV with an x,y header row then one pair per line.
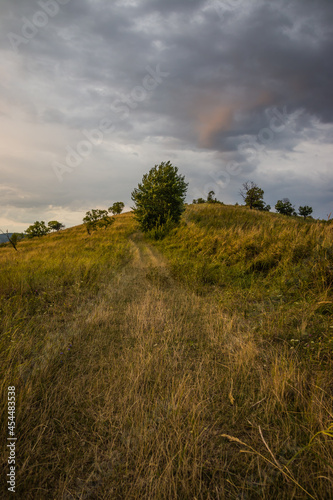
x,y
232,65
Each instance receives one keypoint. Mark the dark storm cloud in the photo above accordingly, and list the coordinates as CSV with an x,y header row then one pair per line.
x,y
233,66
280,50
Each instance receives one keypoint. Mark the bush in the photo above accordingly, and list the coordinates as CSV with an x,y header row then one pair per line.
x,y
161,230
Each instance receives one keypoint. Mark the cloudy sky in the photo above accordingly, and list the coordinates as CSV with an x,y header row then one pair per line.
x,y
94,93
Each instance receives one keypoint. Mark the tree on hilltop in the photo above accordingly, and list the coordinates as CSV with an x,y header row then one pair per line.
x,y
54,225
116,208
285,207
305,211
253,196
159,197
96,218
210,199
37,230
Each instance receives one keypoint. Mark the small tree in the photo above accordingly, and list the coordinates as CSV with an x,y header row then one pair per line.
x,y
97,218
116,208
199,201
159,197
285,207
37,229
210,197
13,239
252,195
54,225
305,211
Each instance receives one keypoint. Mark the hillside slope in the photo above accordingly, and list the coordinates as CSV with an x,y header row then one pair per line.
x,y
276,269
133,361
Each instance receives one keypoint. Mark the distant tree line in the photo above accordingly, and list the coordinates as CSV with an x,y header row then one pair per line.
x,y
39,228
159,202
253,197
210,199
36,230
93,220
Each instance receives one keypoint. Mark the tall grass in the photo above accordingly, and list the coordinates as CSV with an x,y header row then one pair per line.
x,y
185,376
271,276
271,268
47,280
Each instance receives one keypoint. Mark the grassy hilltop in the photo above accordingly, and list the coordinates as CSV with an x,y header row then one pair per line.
x,y
275,269
197,366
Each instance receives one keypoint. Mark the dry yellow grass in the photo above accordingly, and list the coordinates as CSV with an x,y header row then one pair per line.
x,y
156,376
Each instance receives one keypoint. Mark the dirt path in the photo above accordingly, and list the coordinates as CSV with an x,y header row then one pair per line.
x,y
164,354
145,256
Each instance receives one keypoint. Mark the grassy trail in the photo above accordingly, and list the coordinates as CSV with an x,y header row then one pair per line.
x,y
151,379
144,254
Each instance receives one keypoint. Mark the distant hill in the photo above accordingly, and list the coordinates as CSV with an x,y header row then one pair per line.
x,y
3,237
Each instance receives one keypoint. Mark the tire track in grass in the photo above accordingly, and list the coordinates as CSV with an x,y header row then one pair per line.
x,y
161,352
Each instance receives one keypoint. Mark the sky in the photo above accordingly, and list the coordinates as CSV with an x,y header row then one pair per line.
x,y
94,93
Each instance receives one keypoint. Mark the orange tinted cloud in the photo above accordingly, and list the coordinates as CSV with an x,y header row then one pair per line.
x,y
213,117
213,121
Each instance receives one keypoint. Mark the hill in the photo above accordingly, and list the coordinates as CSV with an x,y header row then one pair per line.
x,y
145,369
3,237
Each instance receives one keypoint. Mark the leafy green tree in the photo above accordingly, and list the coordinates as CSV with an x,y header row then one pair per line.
x,y
96,218
285,207
159,197
305,211
37,229
253,196
54,225
116,208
